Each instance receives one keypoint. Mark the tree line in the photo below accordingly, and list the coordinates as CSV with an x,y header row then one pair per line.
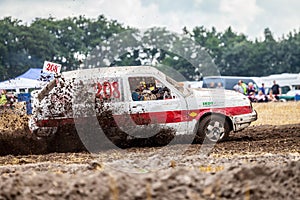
x,y
23,46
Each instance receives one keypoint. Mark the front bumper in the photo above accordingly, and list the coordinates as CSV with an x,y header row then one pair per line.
x,y
242,121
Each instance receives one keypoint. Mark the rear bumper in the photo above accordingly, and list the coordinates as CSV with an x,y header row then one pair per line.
x,y
40,131
242,121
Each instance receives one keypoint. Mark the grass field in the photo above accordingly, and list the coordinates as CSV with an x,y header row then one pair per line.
x,y
277,113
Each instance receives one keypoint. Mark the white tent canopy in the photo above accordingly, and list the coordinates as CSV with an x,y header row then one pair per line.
x,y
20,83
31,79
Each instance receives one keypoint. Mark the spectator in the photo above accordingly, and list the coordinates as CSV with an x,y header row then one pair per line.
x,y
251,90
244,86
3,99
261,97
275,90
220,85
212,85
238,87
262,89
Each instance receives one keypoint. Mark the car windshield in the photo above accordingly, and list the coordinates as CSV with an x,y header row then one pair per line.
x,y
180,87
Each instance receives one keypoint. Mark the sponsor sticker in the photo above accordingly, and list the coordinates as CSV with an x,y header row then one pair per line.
x,y
210,103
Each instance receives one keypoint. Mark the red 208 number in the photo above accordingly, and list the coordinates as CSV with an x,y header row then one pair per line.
x,y
52,67
108,90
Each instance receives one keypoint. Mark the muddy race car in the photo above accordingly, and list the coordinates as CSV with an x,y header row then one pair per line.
x,y
138,96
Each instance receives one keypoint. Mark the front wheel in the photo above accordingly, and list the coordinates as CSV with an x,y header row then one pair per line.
x,y
214,128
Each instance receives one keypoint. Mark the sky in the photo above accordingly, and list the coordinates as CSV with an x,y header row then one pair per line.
x,y
249,17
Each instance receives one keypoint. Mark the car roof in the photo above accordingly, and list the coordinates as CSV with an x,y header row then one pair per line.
x,y
117,71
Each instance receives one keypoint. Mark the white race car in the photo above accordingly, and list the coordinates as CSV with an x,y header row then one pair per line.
x,y
144,96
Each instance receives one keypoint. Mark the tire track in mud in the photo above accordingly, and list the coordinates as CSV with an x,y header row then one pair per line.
x,y
264,138
254,140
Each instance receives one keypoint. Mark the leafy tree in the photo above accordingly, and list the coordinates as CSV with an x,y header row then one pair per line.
x,y
23,46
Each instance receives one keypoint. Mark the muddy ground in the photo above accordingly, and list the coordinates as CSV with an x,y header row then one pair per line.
x,y
261,162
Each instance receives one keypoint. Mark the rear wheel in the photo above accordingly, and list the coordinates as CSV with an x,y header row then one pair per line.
x,y
214,128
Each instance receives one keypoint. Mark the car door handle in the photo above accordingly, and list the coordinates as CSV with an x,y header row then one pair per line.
x,y
138,105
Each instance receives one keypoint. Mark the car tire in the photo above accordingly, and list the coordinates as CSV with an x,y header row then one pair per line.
x,y
214,128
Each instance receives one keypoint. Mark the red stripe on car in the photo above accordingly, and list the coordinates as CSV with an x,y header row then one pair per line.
x,y
153,117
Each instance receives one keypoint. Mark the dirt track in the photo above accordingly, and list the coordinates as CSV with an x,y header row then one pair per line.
x,y
259,162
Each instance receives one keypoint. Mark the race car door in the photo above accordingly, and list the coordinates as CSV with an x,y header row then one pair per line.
x,y
156,103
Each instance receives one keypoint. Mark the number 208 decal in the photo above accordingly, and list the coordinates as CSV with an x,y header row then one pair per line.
x,y
52,67
108,90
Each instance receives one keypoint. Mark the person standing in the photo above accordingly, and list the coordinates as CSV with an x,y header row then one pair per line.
x,y
251,91
3,99
238,87
262,89
275,90
244,86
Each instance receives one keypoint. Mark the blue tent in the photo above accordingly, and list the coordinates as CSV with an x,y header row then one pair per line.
x,y
35,74
32,73
33,78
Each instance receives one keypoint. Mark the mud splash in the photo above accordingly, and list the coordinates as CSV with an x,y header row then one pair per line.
x,y
16,139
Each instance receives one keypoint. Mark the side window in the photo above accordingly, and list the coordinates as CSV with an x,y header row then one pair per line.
x,y
297,87
148,89
214,83
285,89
